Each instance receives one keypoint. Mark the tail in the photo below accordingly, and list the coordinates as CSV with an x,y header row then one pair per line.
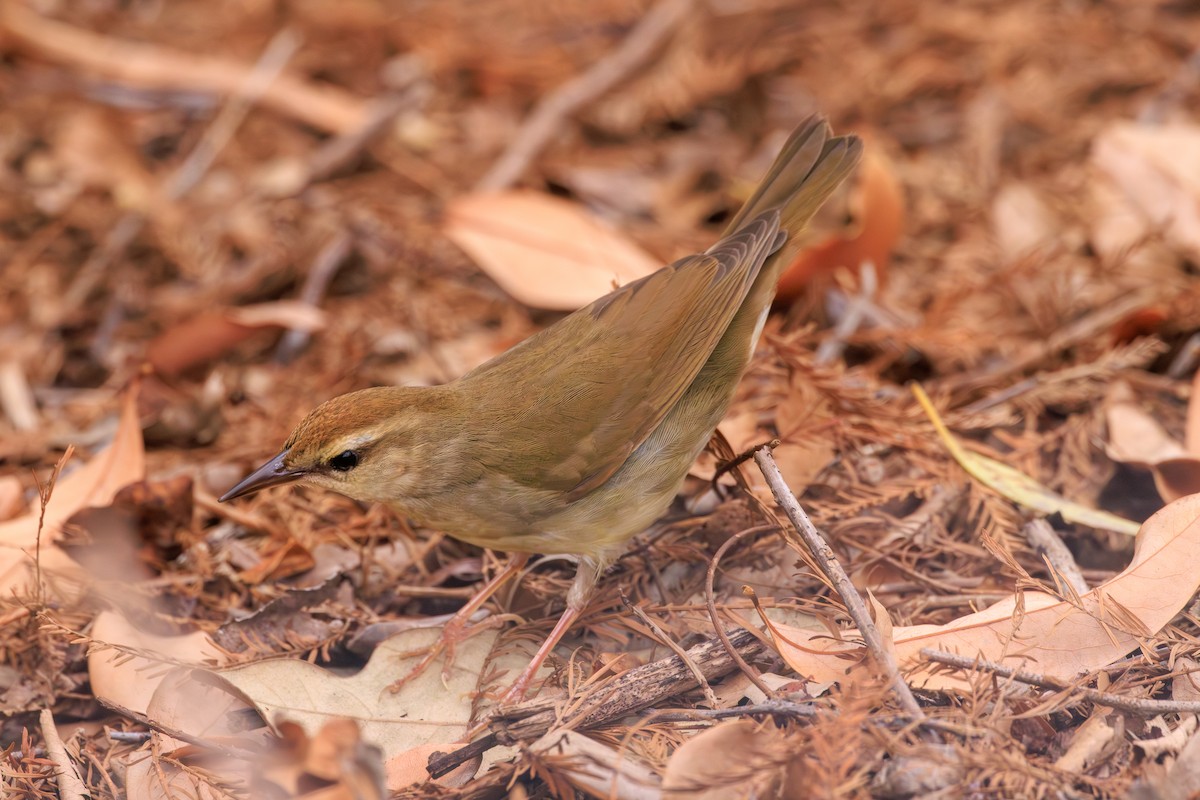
x,y
805,173
809,167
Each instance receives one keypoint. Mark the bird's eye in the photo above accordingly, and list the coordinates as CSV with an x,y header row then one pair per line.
x,y
345,461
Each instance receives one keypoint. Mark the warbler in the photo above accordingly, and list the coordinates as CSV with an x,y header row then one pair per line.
x,y
579,437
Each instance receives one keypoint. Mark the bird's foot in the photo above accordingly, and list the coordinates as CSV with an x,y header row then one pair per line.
x,y
455,630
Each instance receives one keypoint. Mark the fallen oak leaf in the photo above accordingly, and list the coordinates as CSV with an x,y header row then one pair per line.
x,y
424,711
94,484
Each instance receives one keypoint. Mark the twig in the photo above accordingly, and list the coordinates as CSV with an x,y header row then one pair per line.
x,y
834,572
539,127
856,311
675,648
634,690
315,283
1184,362
1135,705
159,68
70,787
16,399
1047,542
718,626
187,175
335,153
773,708
45,491
789,709
175,733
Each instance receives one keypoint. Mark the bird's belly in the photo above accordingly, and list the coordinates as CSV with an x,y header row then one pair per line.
x,y
523,519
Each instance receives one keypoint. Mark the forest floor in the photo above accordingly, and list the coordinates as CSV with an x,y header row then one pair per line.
x,y
214,216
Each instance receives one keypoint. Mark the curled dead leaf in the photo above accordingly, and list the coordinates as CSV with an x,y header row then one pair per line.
x,y
33,536
1135,437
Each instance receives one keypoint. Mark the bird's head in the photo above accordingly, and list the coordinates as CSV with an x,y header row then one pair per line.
x,y
370,445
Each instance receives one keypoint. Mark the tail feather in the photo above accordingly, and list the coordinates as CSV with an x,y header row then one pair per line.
x,y
807,170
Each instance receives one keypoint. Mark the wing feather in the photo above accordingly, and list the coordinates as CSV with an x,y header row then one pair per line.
x,y
574,400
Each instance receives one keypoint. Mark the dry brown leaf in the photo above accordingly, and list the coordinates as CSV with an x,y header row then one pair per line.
x,y
132,681
211,334
182,703
740,758
1021,220
1038,631
1182,780
335,764
1089,741
94,484
543,251
148,778
424,711
1135,437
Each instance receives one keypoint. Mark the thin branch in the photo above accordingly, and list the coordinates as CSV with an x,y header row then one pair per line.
x,y
324,267
1062,564
632,691
710,599
1135,705
833,570
175,733
666,640
70,787
556,107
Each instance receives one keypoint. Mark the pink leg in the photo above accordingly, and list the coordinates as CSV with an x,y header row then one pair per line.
x,y
577,598
457,628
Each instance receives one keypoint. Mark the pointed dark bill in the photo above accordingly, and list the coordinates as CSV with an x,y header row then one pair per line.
x,y
272,473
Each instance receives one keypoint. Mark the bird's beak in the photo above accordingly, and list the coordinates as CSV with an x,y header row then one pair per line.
x,y
272,473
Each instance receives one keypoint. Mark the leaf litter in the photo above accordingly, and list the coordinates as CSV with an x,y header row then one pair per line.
x,y
1028,214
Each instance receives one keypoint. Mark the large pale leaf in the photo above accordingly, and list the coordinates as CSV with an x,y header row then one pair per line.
x,y
1038,631
544,251
423,712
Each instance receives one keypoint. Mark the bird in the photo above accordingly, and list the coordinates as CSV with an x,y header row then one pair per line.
x,y
579,437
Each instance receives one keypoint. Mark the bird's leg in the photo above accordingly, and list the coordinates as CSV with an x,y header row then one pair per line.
x,y
456,628
577,599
